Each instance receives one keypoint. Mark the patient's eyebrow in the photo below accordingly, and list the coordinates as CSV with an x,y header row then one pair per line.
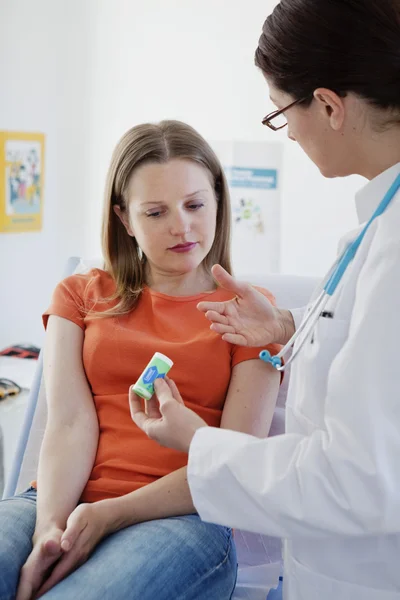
x,y
195,193
186,197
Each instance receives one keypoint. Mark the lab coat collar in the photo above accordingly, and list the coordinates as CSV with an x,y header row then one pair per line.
x,y
368,198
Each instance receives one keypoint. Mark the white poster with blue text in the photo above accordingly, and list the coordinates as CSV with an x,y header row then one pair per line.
x,y
253,170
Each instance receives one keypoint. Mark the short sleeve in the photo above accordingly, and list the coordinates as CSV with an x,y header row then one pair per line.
x,y
242,353
68,301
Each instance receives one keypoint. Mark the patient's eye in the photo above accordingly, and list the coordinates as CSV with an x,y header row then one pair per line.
x,y
154,213
195,205
158,212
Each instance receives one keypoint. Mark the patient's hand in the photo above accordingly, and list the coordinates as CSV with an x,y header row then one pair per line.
x,y
45,552
167,420
86,527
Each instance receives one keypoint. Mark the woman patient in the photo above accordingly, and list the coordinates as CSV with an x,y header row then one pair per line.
x,y
112,516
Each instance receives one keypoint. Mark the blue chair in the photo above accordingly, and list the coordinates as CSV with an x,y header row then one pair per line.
x,y
27,452
258,555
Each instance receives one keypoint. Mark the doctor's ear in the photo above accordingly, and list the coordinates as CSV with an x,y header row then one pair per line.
x,y
123,216
332,105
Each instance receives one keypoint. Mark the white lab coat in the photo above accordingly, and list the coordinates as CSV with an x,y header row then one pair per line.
x,y
331,485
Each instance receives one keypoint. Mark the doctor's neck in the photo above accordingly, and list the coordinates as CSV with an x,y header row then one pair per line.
x,y
379,149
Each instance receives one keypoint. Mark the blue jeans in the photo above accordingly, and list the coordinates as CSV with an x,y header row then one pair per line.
x,y
276,594
180,558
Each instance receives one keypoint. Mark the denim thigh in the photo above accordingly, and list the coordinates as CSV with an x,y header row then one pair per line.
x,y
17,525
180,558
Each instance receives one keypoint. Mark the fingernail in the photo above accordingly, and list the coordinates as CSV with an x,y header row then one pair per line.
x,y
65,545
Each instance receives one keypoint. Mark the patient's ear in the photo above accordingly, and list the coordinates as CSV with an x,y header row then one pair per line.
x,y
124,218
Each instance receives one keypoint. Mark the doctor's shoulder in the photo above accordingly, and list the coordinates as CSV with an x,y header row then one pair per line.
x,y
385,243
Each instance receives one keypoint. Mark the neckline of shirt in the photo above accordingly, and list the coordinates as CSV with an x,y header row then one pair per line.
x,y
192,297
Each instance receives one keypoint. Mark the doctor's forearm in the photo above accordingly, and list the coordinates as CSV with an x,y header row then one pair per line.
x,y
169,496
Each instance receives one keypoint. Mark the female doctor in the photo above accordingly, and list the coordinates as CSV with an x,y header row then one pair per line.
x,y
331,485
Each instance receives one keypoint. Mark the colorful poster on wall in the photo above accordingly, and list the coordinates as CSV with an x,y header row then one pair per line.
x,y
21,181
253,170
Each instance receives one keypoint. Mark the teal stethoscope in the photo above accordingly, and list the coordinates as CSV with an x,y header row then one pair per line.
x,y
307,326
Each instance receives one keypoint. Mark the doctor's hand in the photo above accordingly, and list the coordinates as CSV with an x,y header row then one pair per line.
x,y
249,319
167,420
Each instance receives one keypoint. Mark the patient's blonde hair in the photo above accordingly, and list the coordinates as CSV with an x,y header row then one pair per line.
x,y
155,143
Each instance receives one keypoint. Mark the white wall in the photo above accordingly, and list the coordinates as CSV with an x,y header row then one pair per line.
x,y
316,212
193,61
84,72
43,79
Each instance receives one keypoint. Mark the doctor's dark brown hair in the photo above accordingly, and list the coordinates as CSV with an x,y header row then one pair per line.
x,y
343,45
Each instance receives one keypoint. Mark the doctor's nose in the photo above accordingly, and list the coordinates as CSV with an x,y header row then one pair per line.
x,y
290,135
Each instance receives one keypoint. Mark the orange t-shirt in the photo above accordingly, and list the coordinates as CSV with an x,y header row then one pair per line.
x,y
115,352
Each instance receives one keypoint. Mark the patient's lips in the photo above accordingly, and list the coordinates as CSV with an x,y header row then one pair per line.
x,y
186,247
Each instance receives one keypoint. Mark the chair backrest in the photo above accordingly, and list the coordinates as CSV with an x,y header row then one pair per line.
x,y
1,461
24,467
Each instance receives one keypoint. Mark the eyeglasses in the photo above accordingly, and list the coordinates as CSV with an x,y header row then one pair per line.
x,y
279,116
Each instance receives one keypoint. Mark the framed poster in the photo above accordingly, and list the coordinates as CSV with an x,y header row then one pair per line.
x,y
21,181
253,171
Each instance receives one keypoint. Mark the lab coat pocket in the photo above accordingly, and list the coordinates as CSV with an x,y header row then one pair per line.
x,y
331,328
313,366
302,583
